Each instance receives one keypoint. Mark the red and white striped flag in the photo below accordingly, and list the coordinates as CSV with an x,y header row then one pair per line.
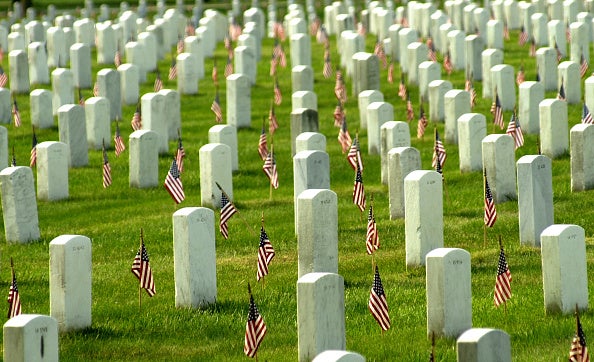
x,y
272,120
279,31
81,99
559,54
521,76
381,53
402,91
410,112
16,114
255,330
447,64
532,51
586,115
378,306
344,138
172,70
279,53
431,53
3,78
137,119
315,26
338,115
263,145
505,31
14,298
273,65
118,141
354,155
106,170
265,254
96,89
422,123
270,170
339,87
228,67
372,242
278,96
497,112
515,131
33,158
359,191
216,109
173,183
142,269
490,211
502,281
227,210
327,70
180,154
439,153
322,35
215,73
391,73
117,59
579,349
180,46
158,83
583,66
523,37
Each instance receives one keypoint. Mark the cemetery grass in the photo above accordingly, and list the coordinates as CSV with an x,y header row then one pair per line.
x,y
113,218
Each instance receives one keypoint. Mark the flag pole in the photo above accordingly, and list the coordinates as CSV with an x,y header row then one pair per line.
x,y
139,283
505,302
238,213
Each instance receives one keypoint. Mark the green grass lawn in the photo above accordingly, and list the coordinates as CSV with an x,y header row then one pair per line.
x,y
113,217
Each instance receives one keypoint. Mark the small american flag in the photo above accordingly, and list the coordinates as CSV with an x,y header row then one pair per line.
x,y
561,93
439,153
579,349
354,155
344,138
339,87
228,67
279,31
315,26
586,115
568,34
255,330
402,91
583,66
180,46
327,70
490,212
410,112
265,254
272,120
514,130
14,298
216,109
505,31
96,89
338,115
270,170
180,154
447,64
502,281
33,160
228,46
227,210
137,119
158,83
215,73
404,22
278,96
532,51
16,114
81,99
422,123
173,183
497,112
322,35
106,170
279,53
263,144
378,306
142,269
521,77
559,54
172,70
381,53
359,191
190,29
273,65
234,31
3,77
391,73
117,59
372,238
118,141
361,29
523,37
431,54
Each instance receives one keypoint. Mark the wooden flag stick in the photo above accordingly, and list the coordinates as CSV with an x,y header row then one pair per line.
x,y
238,213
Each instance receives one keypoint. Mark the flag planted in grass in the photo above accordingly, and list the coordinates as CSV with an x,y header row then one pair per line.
x,y
172,70
106,169
265,254
579,349
255,330
272,120
16,114
490,211
216,108
14,298
33,158
354,155
497,112
586,115
3,78
439,153
137,118
561,93
158,83
359,191
515,131
142,269
327,69
118,141
422,125
270,170
502,281
173,183
583,66
378,306
180,154
227,210
372,238
278,96
263,144
344,138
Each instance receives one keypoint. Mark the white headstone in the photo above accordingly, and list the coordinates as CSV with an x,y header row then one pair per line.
x,y
239,113
417,54
19,207
320,303
108,83
405,37
149,42
504,85
310,141
154,118
535,197
19,71
554,129
546,63
499,163
98,124
401,162
134,52
428,72
540,31
106,44
338,356
215,167
80,64
3,147
367,97
143,159
531,94
187,73
449,298
484,345
568,75
194,257
52,170
245,62
40,103
423,205
456,103
71,281
300,49
472,128
582,157
62,88
302,120
490,58
392,134
302,78
311,170
27,335
38,69
564,268
304,99
73,132
378,113
457,48
225,134
437,92
365,72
